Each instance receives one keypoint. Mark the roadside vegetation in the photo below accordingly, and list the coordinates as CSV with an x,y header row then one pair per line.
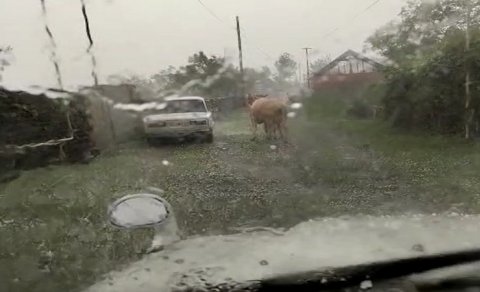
x,y
433,67
440,169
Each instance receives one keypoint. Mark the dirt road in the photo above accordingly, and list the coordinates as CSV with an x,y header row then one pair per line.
x,y
236,183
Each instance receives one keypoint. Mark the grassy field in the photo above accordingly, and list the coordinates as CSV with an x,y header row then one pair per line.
x,y
53,230
442,170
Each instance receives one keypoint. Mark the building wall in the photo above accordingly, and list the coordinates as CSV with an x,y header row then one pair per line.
x,y
332,81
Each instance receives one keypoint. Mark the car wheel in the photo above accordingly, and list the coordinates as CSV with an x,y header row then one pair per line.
x,y
151,141
209,138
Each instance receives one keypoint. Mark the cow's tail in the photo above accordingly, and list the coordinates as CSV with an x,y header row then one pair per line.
x,y
282,111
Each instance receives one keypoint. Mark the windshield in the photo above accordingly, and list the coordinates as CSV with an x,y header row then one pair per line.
x,y
342,123
185,106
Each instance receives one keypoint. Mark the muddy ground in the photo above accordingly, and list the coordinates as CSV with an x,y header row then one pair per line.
x,y
53,230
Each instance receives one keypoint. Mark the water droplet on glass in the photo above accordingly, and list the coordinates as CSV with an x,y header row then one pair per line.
x,y
291,115
367,284
296,105
418,247
165,162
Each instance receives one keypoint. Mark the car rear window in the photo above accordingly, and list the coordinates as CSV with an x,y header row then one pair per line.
x,y
185,106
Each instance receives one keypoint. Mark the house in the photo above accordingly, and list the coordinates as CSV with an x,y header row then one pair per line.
x,y
349,69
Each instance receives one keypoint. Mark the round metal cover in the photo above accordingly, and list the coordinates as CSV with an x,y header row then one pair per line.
x,y
138,211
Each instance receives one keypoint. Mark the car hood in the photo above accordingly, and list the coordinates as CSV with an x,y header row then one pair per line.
x,y
312,245
176,116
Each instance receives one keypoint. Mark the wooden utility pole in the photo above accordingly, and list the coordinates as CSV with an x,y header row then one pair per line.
x,y
469,110
308,65
297,74
240,57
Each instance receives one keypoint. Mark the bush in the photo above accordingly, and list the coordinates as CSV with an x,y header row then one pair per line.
x,y
360,110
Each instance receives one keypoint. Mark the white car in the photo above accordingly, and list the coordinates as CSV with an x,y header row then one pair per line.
x,y
181,117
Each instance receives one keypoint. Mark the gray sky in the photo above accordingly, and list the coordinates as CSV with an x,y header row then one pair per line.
x,y
144,36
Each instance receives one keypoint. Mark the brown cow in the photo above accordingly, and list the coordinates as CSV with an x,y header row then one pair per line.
x,y
271,112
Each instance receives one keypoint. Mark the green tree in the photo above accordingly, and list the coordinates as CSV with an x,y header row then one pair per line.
x,y
286,67
203,75
258,80
428,63
424,24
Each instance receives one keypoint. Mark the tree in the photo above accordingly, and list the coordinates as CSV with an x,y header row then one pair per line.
x,y
423,25
203,75
319,63
286,67
429,61
5,54
259,81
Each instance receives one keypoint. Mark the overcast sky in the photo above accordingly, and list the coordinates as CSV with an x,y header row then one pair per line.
x,y
144,36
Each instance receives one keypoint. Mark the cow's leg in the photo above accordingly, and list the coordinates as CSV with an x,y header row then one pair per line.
x,y
278,131
254,128
252,125
282,126
271,131
284,131
267,130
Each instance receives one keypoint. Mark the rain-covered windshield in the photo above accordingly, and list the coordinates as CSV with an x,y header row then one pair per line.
x,y
185,106
352,115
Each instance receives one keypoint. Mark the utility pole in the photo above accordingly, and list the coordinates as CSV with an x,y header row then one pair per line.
x,y
300,75
240,57
308,65
470,112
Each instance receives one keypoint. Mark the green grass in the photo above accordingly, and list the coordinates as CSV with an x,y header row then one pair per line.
x,y
236,122
54,232
441,169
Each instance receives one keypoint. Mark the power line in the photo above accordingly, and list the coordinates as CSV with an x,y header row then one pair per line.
x,y
256,47
328,34
371,5
210,11
219,19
